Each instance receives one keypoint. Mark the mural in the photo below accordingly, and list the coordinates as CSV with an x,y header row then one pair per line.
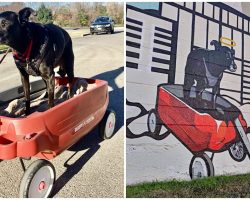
x,y
188,91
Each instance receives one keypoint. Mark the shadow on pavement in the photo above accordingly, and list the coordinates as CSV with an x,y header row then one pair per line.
x,y
116,96
92,140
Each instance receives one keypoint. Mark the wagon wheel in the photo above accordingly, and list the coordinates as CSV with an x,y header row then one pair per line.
x,y
201,166
38,180
107,125
153,122
237,151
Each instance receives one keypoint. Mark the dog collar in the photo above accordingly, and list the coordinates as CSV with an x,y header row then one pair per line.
x,y
26,55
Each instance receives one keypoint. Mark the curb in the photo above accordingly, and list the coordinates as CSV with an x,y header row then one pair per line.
x,y
86,34
3,51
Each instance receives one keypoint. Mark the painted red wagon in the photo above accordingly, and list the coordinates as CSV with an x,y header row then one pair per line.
x,y
46,134
199,126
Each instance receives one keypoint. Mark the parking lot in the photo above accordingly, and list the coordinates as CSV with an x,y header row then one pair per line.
x,y
91,168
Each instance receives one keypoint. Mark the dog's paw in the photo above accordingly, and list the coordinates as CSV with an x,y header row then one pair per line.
x,y
59,90
14,106
80,86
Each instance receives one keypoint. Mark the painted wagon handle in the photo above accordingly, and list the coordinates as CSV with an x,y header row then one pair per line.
x,y
243,135
228,42
143,111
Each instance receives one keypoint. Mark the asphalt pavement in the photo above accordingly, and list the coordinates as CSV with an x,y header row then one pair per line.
x,y
92,167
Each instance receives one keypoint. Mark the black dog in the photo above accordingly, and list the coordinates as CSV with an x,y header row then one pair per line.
x,y
207,67
37,50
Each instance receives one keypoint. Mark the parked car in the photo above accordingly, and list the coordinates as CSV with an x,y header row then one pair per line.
x,y
102,24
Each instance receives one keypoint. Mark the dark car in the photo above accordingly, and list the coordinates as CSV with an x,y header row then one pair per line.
x,y
102,24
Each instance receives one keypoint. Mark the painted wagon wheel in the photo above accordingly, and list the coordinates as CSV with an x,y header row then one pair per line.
x,y
201,166
237,151
154,124
143,112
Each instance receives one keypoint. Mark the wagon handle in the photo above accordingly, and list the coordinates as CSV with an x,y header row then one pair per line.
x,y
248,130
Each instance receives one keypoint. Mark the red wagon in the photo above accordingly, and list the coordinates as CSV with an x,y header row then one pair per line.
x,y
199,126
46,134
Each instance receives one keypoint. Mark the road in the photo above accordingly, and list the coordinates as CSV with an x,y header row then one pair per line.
x,y
91,168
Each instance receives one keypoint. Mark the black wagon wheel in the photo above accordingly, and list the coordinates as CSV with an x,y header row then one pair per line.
x,y
38,180
201,166
107,125
153,122
237,151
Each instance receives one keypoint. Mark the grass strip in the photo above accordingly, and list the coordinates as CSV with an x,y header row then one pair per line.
x,y
237,186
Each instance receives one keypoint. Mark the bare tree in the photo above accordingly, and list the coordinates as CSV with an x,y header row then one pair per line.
x,y
77,13
115,10
63,16
14,6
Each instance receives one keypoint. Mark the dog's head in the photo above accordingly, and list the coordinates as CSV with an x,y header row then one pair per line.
x,y
227,55
12,23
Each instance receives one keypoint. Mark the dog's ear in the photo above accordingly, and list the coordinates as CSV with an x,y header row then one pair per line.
x,y
216,44
24,14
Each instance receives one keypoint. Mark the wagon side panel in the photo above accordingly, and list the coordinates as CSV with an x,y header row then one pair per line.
x,y
185,124
71,120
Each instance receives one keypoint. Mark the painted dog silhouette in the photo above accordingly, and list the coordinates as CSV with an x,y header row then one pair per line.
x,y
206,67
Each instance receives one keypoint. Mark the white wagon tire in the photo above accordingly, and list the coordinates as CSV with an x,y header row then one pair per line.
x,y
107,125
38,180
201,166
